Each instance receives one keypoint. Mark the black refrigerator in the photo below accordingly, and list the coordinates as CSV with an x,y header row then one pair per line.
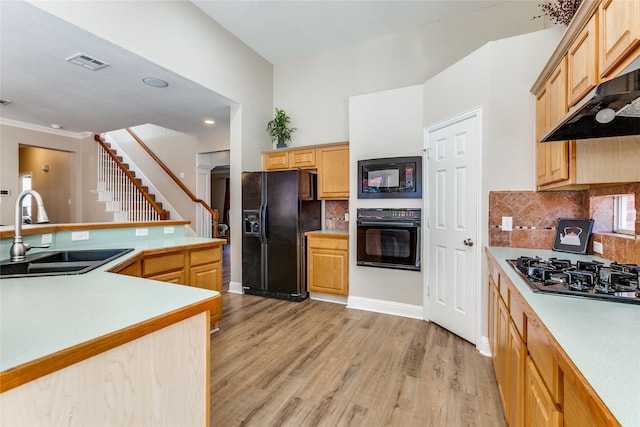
x,y
277,208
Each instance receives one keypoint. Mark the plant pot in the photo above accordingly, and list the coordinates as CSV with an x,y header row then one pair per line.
x,y
281,144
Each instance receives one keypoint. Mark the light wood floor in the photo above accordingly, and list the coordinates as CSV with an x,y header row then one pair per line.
x,y
280,363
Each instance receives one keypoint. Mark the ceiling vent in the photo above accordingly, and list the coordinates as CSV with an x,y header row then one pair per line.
x,y
86,61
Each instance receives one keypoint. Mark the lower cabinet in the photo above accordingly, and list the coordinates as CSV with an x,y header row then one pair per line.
x,y
328,263
541,410
198,266
538,383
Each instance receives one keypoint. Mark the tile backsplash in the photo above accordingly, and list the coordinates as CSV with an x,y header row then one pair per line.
x,y
334,212
535,216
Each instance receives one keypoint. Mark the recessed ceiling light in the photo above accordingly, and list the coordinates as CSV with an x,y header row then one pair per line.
x,y
155,82
55,126
209,122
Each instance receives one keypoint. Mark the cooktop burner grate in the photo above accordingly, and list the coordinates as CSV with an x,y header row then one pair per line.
x,y
586,279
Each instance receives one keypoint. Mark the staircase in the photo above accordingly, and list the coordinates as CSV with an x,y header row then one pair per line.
x,y
123,193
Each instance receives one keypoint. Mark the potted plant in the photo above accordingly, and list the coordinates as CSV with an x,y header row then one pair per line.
x,y
278,129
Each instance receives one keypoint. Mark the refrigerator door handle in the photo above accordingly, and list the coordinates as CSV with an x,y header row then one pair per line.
x,y
263,222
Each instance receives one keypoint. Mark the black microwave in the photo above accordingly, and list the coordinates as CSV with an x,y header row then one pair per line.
x,y
393,177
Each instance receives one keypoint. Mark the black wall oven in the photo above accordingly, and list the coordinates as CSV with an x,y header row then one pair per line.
x,y
389,238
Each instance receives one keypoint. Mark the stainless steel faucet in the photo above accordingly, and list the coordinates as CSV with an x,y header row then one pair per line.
x,y
19,249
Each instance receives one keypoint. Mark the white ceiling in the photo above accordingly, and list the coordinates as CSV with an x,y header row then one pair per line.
x,y
281,31
44,88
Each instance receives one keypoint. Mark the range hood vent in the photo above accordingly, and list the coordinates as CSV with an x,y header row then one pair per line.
x,y
610,109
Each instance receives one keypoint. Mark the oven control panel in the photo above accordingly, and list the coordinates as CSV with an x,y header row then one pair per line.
x,y
389,214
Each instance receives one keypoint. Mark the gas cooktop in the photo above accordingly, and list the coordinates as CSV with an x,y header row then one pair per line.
x,y
586,279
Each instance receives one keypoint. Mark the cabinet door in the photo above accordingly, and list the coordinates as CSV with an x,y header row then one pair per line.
x,y
275,161
206,276
328,265
333,173
502,352
540,409
619,32
542,125
493,317
582,74
558,152
302,159
517,357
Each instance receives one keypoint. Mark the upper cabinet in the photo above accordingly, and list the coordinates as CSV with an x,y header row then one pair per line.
x,y
289,159
331,162
602,39
582,62
553,160
333,173
619,34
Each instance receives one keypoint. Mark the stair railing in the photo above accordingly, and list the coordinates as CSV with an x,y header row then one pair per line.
x,y
207,214
130,200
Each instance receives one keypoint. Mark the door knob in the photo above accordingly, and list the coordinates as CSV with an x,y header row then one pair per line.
x,y
468,242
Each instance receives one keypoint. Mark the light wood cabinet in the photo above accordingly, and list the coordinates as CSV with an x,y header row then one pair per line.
x,y
289,159
552,158
582,64
333,173
200,267
331,162
538,383
619,34
602,39
541,410
328,263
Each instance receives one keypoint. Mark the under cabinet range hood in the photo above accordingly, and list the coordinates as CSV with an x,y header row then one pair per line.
x,y
610,109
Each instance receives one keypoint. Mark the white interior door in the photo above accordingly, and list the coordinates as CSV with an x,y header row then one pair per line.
x,y
452,268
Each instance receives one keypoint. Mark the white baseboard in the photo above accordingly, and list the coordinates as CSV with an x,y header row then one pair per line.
x,y
386,307
483,347
337,299
235,288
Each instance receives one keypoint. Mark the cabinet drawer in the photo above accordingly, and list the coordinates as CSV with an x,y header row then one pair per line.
x,y
328,243
517,312
205,256
160,263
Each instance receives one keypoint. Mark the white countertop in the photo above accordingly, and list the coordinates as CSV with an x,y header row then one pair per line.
x,y
601,337
43,315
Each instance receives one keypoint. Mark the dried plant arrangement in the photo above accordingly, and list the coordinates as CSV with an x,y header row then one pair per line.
x,y
559,11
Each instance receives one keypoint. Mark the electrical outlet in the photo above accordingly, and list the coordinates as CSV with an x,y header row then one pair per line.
x,y
346,216
597,247
507,223
142,232
169,230
46,239
79,235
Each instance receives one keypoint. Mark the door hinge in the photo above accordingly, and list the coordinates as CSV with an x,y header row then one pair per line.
x,y
427,152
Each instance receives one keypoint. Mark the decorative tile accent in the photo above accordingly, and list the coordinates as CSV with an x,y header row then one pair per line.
x,y
334,211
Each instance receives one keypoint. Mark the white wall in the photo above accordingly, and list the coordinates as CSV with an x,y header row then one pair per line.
x,y
180,37
383,124
84,205
315,90
497,77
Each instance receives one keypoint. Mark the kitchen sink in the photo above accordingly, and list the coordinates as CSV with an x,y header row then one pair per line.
x,y
53,263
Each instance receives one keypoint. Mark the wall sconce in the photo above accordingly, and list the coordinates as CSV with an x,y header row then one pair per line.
x,y
45,168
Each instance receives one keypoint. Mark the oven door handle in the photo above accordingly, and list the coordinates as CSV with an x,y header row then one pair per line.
x,y
388,223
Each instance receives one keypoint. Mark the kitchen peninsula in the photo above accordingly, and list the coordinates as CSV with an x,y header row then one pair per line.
x,y
78,349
